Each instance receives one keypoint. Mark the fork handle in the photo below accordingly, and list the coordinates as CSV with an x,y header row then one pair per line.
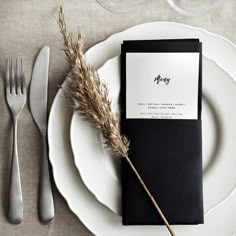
x,y
46,203
15,204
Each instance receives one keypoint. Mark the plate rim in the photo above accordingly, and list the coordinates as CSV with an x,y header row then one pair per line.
x,y
53,107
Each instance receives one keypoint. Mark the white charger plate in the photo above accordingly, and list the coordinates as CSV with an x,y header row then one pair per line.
x,y
100,171
98,218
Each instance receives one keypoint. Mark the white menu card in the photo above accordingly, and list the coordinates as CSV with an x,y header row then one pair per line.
x,y
162,85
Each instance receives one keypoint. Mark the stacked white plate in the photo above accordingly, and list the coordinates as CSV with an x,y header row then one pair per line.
x,y
88,177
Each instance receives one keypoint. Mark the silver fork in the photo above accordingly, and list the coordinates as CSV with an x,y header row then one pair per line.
x,y
16,98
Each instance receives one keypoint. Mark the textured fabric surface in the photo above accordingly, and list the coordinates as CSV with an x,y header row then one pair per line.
x,y
26,26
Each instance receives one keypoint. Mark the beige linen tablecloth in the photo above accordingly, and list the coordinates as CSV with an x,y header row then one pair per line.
x,y
28,25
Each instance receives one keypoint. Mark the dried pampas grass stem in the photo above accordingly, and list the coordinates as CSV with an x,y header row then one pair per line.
x,y
89,96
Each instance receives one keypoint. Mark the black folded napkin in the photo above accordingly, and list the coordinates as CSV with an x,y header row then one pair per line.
x,y
166,153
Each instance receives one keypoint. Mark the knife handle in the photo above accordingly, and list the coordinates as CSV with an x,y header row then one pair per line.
x,y
46,203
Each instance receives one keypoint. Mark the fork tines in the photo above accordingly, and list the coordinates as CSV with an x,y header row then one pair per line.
x,y
15,79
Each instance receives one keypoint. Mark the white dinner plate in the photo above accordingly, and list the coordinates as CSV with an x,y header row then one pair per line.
x,y
98,218
99,171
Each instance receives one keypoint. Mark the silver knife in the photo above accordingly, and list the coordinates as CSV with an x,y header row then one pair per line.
x,y
38,107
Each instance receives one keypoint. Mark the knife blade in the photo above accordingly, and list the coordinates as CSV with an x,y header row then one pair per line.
x,y
38,107
39,89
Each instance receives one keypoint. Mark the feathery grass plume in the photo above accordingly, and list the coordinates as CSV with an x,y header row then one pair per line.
x,y
88,95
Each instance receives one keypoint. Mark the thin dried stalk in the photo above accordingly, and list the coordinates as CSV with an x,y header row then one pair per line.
x,y
89,96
